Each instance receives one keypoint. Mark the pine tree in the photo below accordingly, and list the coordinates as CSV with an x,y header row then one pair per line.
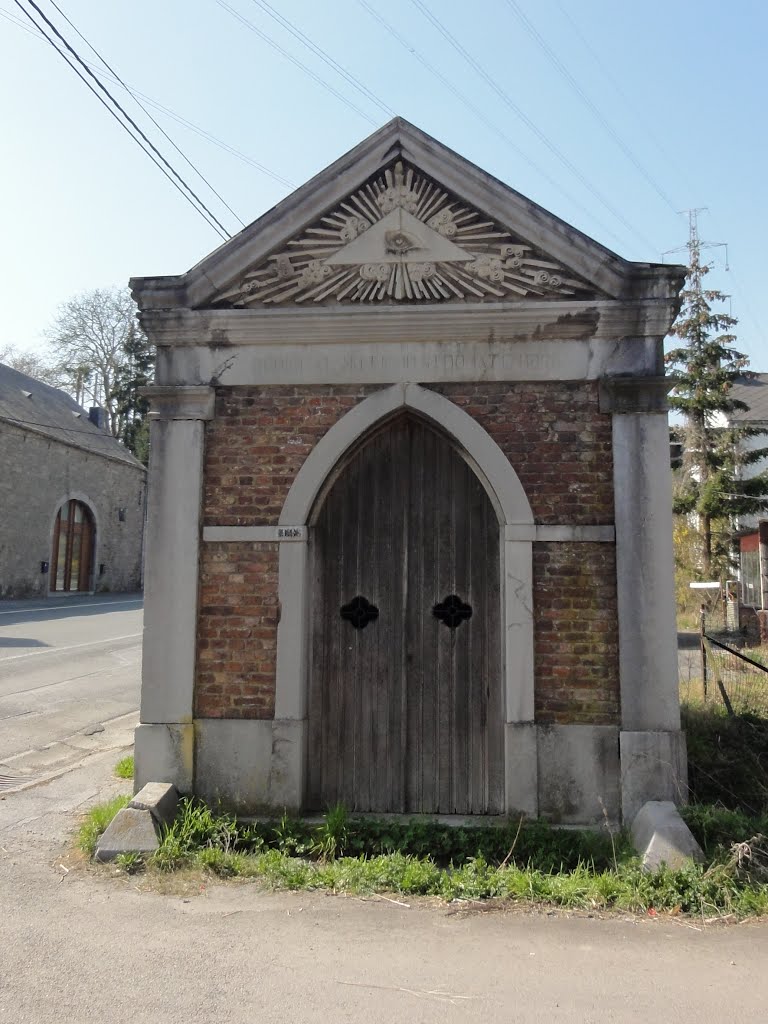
x,y
710,487
136,372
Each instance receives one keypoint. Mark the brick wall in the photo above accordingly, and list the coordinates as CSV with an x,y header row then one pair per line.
x,y
258,441
556,439
559,445
237,631
576,633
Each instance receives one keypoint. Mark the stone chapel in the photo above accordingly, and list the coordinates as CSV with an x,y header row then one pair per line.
x,y
409,542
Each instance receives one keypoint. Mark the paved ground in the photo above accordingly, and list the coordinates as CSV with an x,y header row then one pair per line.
x,y
69,679
82,945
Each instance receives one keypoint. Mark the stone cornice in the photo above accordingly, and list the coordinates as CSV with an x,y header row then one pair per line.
x,y
520,321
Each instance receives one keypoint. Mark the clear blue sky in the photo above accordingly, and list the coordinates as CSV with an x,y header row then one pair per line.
x,y
682,84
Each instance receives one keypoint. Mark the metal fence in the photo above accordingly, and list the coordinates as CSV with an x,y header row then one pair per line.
x,y
740,680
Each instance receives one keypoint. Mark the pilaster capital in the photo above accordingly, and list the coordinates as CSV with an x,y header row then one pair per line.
x,y
628,395
180,403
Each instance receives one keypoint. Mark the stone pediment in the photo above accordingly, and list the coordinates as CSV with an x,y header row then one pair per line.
x,y
398,224
402,237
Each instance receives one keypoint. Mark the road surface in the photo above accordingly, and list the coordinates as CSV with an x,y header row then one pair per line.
x,y
69,680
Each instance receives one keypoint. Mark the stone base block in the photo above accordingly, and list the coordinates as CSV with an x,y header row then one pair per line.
x,y
579,773
131,831
521,769
661,837
160,799
654,766
164,753
289,751
233,763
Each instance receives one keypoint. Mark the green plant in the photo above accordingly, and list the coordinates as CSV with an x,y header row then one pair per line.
x,y
124,767
331,837
130,863
727,758
96,821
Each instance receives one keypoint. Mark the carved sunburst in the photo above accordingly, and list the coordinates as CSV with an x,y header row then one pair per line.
x,y
402,238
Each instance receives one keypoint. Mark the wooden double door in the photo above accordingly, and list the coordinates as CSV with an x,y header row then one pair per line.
x,y
405,710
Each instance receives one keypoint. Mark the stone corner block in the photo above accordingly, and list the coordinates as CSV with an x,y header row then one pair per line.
x,y
232,763
164,753
661,836
578,774
160,799
654,766
131,831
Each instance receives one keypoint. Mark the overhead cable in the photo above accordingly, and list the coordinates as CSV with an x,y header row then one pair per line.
x,y
115,75
481,116
559,66
318,51
153,153
294,60
159,106
504,96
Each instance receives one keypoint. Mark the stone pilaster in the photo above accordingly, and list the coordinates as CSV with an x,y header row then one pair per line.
x,y
651,744
177,419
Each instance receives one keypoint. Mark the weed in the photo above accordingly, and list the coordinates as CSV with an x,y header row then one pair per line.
x,y
130,863
331,837
727,758
124,768
96,821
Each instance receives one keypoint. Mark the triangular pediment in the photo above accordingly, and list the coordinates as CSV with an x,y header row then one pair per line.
x,y
402,219
402,237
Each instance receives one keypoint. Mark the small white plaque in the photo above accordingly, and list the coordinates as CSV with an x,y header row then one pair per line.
x,y
291,533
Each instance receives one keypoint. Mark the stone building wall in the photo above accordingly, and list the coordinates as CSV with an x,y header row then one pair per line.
x,y
37,474
559,444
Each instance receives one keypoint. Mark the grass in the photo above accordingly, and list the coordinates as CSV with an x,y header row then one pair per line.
x,y
727,758
96,821
124,767
527,862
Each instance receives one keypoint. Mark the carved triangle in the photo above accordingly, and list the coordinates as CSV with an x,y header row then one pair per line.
x,y
401,237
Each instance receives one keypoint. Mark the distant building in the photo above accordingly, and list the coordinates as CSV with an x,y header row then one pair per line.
x,y
71,496
753,557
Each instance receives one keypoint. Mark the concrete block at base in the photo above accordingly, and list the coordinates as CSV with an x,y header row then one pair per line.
x,y
130,831
232,762
287,772
579,773
661,836
160,799
654,766
164,753
521,769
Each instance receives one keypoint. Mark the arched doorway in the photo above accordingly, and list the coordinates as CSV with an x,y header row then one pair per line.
x,y
405,703
74,535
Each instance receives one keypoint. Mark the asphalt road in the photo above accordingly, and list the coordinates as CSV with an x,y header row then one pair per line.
x,y
82,944
69,676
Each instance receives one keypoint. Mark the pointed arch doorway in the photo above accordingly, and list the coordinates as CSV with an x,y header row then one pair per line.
x,y
74,535
405,696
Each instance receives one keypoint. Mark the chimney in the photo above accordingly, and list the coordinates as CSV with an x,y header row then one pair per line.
x,y
98,417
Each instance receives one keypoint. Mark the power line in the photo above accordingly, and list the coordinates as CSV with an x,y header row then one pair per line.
x,y
435,21
144,109
294,60
559,66
481,116
165,110
201,208
318,51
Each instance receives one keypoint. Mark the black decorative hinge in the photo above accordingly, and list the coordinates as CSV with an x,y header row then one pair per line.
x,y
452,611
359,612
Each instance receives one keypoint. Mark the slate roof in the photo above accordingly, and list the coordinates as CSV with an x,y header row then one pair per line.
x,y
754,392
31,405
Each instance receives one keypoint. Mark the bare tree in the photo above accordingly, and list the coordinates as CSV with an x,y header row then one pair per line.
x,y
88,339
31,363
